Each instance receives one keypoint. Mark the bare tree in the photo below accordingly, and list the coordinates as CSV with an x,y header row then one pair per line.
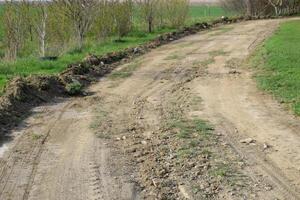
x,y
122,12
276,5
263,7
148,9
38,12
14,28
103,25
81,13
177,11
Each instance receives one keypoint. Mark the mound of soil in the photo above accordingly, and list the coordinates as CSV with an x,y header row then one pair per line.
x,y
23,93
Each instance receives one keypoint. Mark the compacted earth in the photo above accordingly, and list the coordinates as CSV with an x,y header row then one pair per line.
x,y
185,121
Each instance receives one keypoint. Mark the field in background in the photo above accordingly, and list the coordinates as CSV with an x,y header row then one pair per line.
x,y
206,13
33,65
279,61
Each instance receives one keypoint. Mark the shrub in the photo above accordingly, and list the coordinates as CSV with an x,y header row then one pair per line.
x,y
74,88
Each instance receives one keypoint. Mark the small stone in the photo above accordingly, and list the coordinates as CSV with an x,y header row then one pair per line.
x,y
247,141
224,143
219,134
184,192
118,139
124,138
266,146
144,142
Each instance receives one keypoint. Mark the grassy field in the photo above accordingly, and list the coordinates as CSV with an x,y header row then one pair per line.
x,y
279,64
199,13
33,65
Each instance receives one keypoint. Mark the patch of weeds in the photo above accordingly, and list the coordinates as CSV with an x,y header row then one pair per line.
x,y
36,136
203,63
202,127
218,53
195,102
196,99
206,152
207,62
186,128
99,123
196,189
193,134
120,74
100,115
233,63
194,143
125,72
221,171
103,135
173,57
74,88
187,152
182,128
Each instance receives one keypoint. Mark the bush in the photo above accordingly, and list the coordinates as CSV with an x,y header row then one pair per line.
x,y
74,88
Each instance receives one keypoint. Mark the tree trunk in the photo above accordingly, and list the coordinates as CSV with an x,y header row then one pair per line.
x,y
150,25
80,40
249,8
43,39
276,10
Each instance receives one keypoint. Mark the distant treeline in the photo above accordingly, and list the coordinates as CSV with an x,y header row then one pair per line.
x,y
49,28
263,7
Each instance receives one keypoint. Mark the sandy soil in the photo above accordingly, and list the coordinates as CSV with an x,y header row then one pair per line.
x,y
109,144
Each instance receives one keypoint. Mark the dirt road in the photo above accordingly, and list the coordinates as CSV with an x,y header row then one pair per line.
x,y
137,136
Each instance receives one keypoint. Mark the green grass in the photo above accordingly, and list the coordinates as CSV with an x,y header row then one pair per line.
x,y
221,170
186,129
279,61
200,13
194,133
125,72
32,65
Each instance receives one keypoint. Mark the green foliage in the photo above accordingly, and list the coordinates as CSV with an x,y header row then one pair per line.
x,y
279,61
74,88
123,12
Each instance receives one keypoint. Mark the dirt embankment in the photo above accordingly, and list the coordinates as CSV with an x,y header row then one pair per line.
x,y
23,93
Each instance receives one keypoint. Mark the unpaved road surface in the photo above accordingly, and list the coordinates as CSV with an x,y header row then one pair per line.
x,y
137,136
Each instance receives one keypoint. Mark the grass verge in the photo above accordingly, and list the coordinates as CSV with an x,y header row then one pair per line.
x,y
32,65
278,64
